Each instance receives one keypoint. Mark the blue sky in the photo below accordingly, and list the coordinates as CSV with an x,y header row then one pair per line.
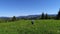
x,y
28,7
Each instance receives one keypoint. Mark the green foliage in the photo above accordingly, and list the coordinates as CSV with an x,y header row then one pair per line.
x,y
13,18
42,16
58,15
46,16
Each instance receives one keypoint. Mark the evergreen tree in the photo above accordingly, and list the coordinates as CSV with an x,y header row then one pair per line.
x,y
58,15
42,16
46,16
13,18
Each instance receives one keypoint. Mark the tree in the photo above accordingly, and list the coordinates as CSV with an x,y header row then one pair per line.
x,y
46,16
13,18
42,16
58,15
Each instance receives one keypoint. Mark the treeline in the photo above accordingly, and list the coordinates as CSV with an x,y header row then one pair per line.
x,y
42,16
45,16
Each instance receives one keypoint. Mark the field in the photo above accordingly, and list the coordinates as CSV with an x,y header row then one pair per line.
x,y
25,27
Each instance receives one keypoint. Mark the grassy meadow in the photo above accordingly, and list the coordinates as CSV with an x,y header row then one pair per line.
x,y
25,27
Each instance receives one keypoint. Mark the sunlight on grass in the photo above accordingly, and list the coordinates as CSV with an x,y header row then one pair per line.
x,y
25,27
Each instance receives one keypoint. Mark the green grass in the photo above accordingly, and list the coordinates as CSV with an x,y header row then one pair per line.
x,y
25,27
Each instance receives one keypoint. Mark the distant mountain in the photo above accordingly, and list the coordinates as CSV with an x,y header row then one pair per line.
x,y
4,17
34,16
52,14
29,16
